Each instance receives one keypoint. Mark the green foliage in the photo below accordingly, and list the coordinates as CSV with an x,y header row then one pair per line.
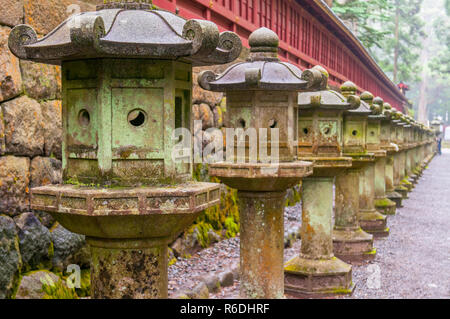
x,y
57,290
232,227
364,14
377,22
224,216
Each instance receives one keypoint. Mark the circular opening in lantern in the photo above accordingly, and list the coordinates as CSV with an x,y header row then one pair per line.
x,y
305,131
355,132
272,123
84,118
137,117
242,123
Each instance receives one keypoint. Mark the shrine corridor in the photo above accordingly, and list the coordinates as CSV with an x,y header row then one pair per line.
x,y
414,261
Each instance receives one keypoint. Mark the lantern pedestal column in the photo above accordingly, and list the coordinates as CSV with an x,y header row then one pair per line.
x,y
316,271
370,219
261,244
134,269
382,203
350,243
261,197
389,181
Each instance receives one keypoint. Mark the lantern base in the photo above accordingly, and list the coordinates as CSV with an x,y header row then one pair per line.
x,y
395,197
353,246
310,278
385,206
374,223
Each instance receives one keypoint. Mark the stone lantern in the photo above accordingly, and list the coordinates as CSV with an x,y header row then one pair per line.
x,y
399,158
261,97
126,82
377,132
436,126
316,271
387,140
350,242
372,176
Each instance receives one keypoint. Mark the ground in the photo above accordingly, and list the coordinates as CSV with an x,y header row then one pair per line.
x,y
413,262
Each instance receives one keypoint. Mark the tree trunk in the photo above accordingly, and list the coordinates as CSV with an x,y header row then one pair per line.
x,y
397,13
422,108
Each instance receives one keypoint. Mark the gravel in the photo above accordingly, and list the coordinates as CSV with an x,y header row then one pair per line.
x,y
413,262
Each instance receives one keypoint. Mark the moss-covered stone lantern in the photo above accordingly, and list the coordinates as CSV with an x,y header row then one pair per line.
x,y
387,139
350,242
316,271
399,158
377,132
261,96
126,87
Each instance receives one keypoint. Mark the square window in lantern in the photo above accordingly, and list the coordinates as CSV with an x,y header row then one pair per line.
x,y
81,120
354,133
138,119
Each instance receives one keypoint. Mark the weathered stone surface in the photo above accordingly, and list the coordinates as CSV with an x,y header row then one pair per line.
x,y
34,240
12,12
226,278
10,78
24,128
203,112
66,245
10,261
202,96
51,113
30,286
45,170
14,180
212,281
199,292
218,116
41,81
2,134
45,218
45,15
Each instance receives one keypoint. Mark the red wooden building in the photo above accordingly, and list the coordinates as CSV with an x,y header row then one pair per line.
x,y
310,33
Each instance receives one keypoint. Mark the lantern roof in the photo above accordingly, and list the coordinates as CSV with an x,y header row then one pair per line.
x,y
325,98
349,88
127,30
263,70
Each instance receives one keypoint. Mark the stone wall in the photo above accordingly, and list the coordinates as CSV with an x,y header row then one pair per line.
x,y
30,144
30,148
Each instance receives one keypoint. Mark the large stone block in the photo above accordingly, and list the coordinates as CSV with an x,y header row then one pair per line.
x,y
34,241
24,128
45,170
51,113
45,15
41,81
30,286
10,261
10,78
69,248
11,12
14,180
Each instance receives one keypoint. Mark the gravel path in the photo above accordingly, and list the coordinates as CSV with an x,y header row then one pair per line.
x,y
413,262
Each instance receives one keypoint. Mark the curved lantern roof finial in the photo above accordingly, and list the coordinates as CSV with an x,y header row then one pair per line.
x,y
263,70
121,29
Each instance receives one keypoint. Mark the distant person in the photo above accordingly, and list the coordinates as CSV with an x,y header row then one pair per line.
x,y
439,144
